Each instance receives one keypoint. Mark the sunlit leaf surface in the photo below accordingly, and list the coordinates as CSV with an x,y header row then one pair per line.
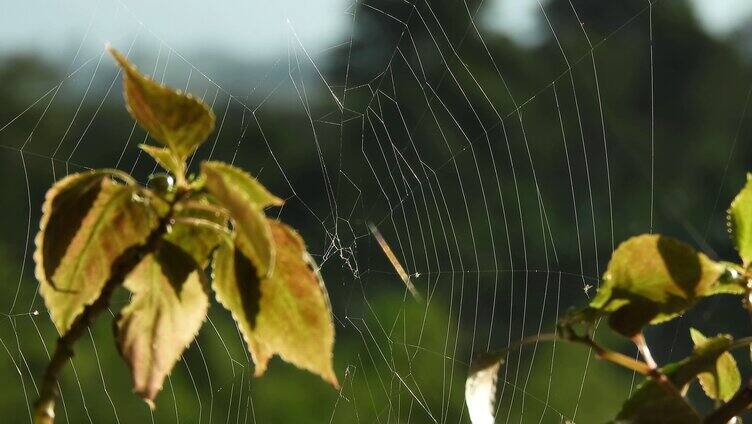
x,y
166,311
253,233
175,119
76,249
164,157
740,221
233,176
724,380
652,278
287,313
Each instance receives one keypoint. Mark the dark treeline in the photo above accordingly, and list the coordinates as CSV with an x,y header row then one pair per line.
x,y
502,173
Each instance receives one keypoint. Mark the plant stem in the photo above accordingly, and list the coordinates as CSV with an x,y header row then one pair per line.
x,y
642,346
499,354
600,351
624,361
653,370
44,407
743,342
616,357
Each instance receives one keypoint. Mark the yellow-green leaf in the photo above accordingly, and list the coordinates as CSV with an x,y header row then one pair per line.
x,y
235,177
652,403
165,158
287,313
253,234
168,306
88,221
197,229
652,278
177,120
740,221
724,380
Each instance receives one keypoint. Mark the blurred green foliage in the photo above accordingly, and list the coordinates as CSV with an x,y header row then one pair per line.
x,y
409,145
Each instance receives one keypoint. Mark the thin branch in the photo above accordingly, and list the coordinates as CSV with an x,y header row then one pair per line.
x,y
654,372
600,351
623,360
44,407
743,342
642,346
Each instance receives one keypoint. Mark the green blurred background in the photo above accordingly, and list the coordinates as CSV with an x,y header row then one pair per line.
x,y
503,148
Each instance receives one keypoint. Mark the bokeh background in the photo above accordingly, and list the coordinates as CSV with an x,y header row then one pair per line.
x,y
502,147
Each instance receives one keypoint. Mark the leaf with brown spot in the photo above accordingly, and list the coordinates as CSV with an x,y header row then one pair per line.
x,y
287,313
177,120
75,247
168,306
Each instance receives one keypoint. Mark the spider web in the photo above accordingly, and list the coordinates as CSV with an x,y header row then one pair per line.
x,y
496,186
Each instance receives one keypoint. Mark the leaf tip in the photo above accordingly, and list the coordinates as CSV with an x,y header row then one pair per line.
x,y
147,394
696,336
119,57
331,377
260,369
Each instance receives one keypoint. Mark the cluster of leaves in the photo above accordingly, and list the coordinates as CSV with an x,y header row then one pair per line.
x,y
651,279
101,229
